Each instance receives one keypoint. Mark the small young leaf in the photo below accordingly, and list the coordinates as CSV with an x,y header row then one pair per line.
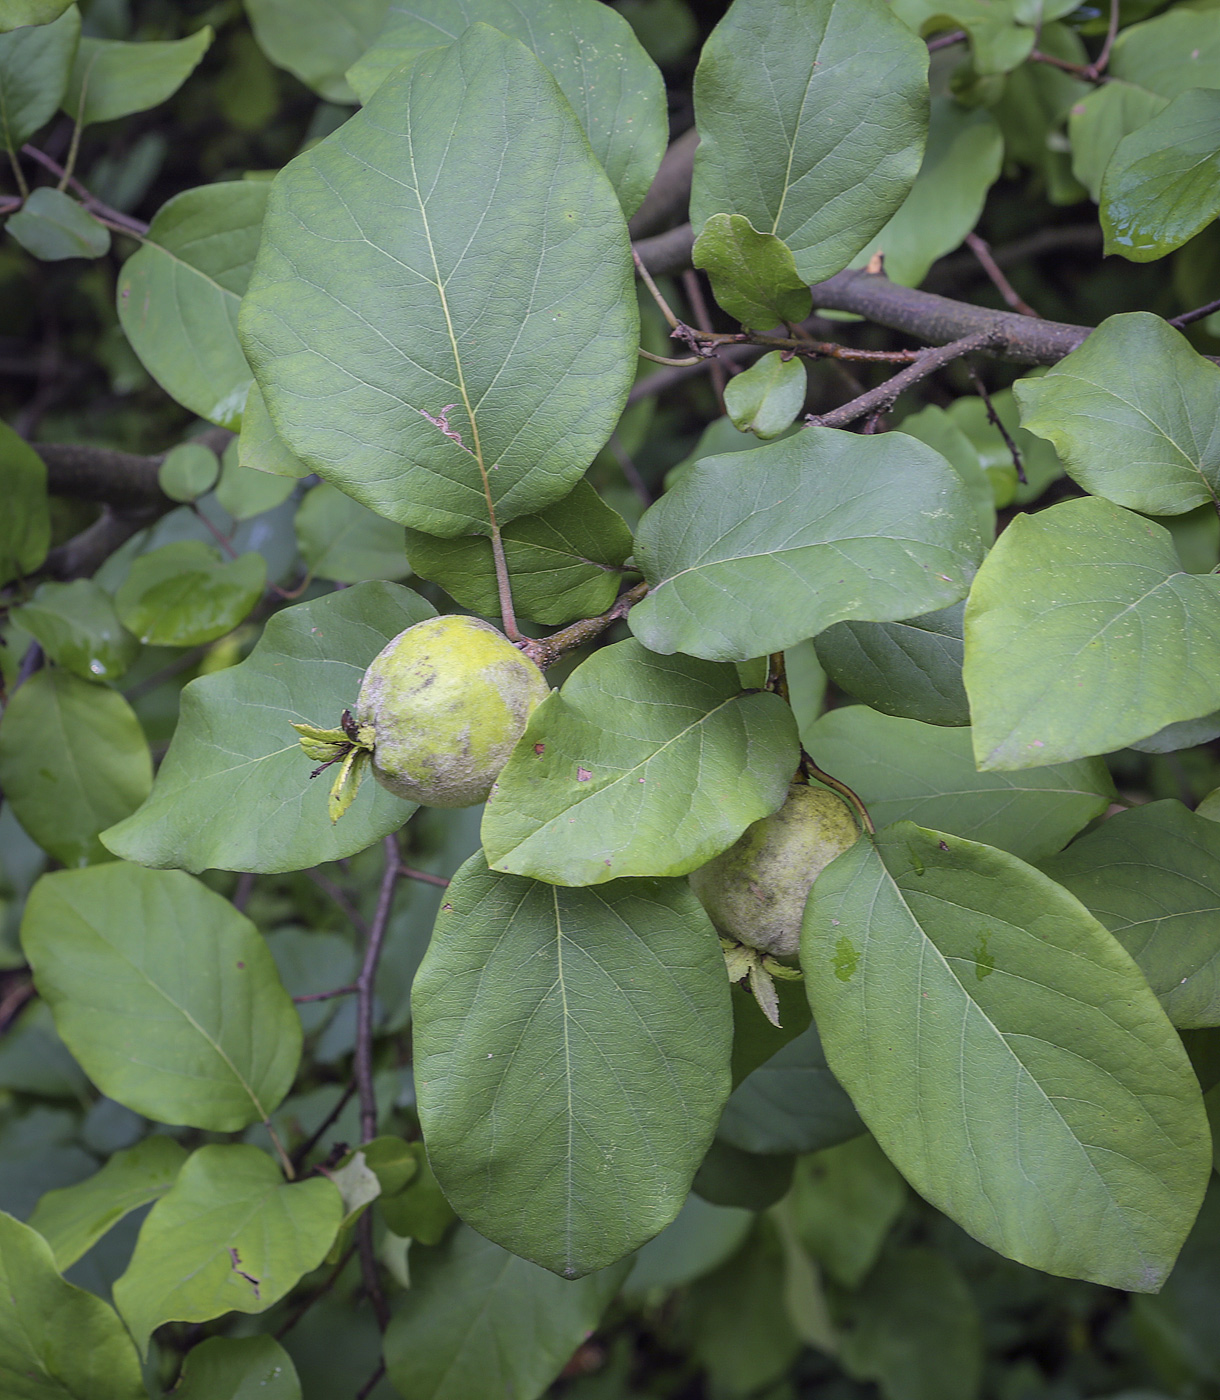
x,y
193,1029
231,1235
753,275
1030,1087
238,1368
53,226
245,493
77,626
765,399
111,79
565,1155
188,472
633,745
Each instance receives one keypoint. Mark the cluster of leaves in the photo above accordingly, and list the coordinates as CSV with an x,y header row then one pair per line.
x,y
461,1088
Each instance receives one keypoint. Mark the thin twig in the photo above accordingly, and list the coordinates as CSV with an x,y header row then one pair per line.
x,y
1098,66
545,651
320,1292
328,886
884,395
646,278
327,996
19,176
994,419
411,873
944,41
124,222
368,1271
299,1156
364,992
285,1160
1196,315
630,471
982,251
698,304
243,891
371,1384
665,359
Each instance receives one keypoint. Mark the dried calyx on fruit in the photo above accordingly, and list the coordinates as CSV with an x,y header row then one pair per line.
x,y
755,892
438,714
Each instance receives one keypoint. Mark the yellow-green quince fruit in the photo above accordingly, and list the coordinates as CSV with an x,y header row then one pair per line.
x,y
443,704
755,891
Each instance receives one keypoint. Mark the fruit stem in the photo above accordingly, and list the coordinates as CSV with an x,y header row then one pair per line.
x,y
545,651
813,771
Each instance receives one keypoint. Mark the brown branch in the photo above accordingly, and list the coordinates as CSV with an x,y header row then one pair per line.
x,y
299,1156
545,651
123,223
84,554
327,996
982,251
945,41
669,193
410,873
1197,314
883,396
327,1284
667,378
364,992
371,1384
329,887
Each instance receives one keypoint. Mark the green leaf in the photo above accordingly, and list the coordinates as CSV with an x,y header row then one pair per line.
x,y
907,771
1160,187
700,1239
18,13
57,1342
73,760
419,1211
233,792
1038,458
259,446
914,1328
790,1103
178,295
1082,634
935,427
34,67
751,554
341,539
317,40
614,87
185,594
478,1322
1099,121
824,151
744,1180
25,522
766,398
238,1368
53,226
962,161
188,471
541,1141
111,79
195,1028
1030,1085
633,746
468,162
231,1236
1170,54
77,626
1150,875
74,1218
1135,415
845,1201
753,275
245,492
998,44
565,562
911,668
1034,102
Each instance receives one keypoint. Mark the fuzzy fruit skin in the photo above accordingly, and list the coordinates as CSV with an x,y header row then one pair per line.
x,y
447,700
755,891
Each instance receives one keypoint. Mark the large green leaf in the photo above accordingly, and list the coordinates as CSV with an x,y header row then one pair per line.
x,y
1008,1055
1170,54
640,765
1082,634
477,1322
178,295
317,40
544,1142
751,554
1160,187
25,522
166,995
76,625
57,1342
233,791
34,67
1039,461
411,372
112,79
907,771
185,594
1135,415
962,161
74,1218
1099,122
1152,876
73,759
824,150
238,1368
231,1236
565,562
53,226
614,87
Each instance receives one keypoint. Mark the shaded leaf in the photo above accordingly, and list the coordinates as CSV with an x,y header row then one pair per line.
x,y
18,13
188,471
540,1140
231,1236
317,40
1099,121
751,554
25,522
233,792
244,492
178,295
765,398
1170,54
1007,1055
195,1028
727,1176
753,274
477,1322
640,765
112,79
700,1239
1038,458
182,595
825,150
259,446
1082,634
998,44
77,626
341,539
34,67
53,226
471,159
238,1368
73,760
845,1201
907,771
